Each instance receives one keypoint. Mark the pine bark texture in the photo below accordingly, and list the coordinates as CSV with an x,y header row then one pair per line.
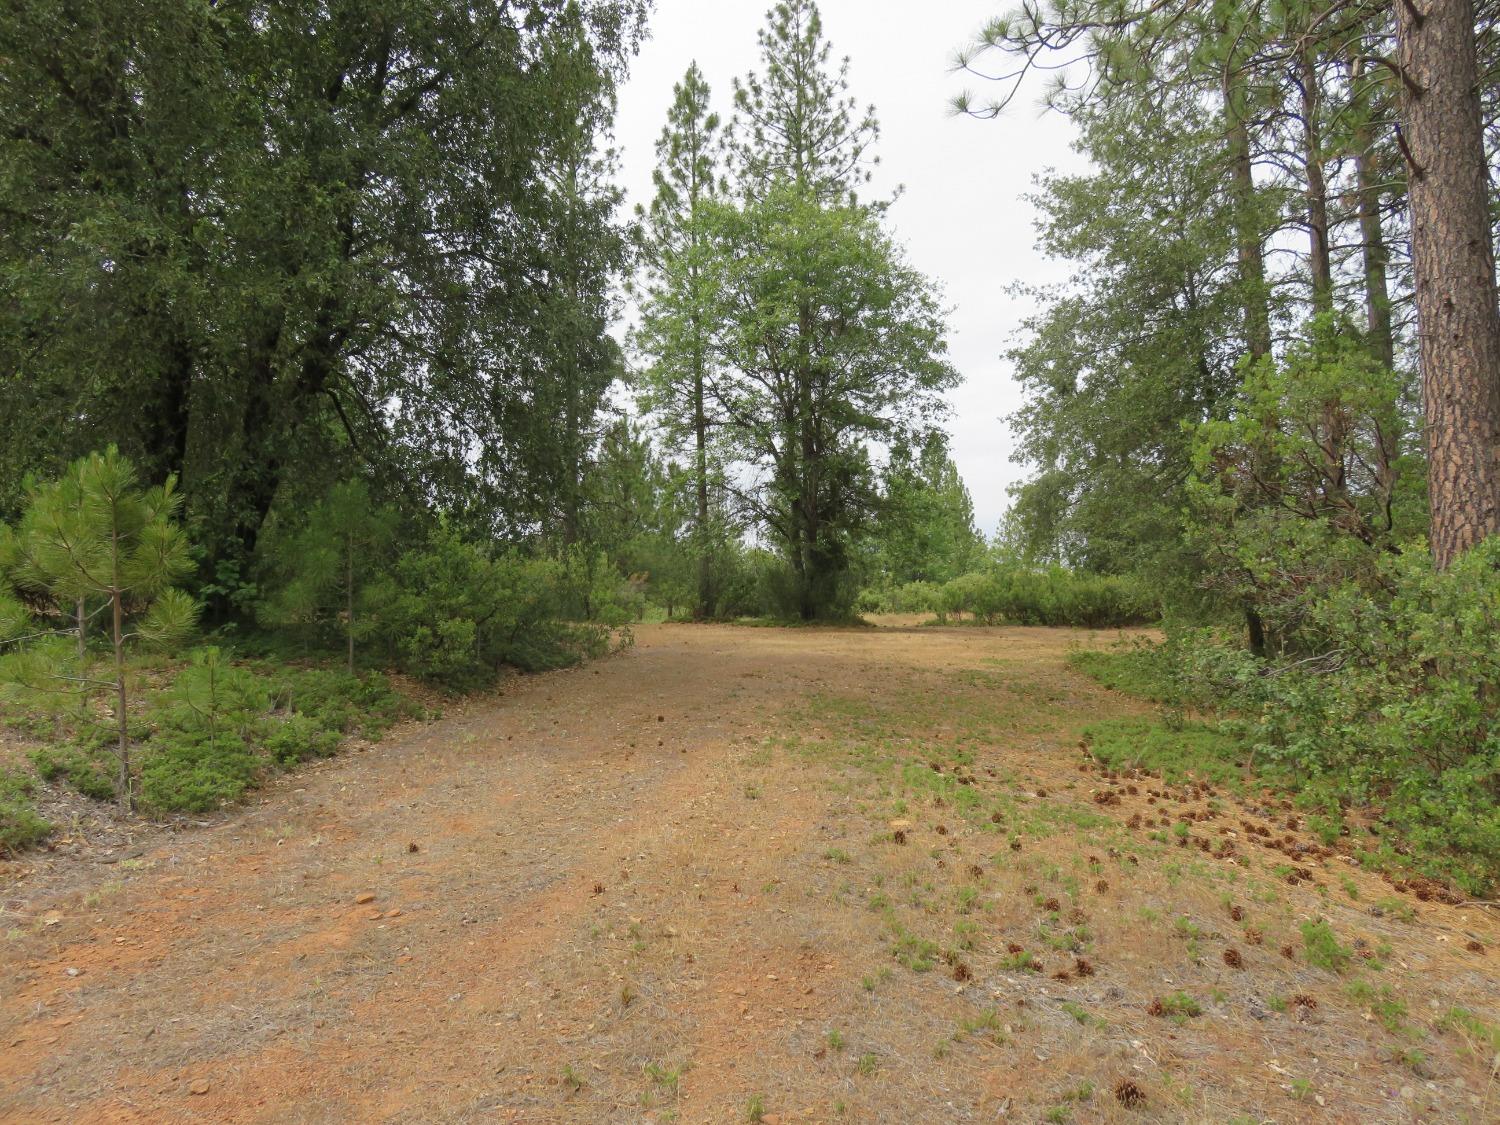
x,y
1458,321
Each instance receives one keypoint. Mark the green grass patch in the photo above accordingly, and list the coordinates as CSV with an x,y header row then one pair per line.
x,y
1200,750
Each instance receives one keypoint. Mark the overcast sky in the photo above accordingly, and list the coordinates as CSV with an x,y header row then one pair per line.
x,y
962,217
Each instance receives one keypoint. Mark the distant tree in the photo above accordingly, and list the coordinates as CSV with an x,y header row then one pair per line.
x,y
327,565
676,328
96,535
924,531
825,338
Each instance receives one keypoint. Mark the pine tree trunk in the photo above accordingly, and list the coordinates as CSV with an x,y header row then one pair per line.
x,y
1376,254
1251,253
82,617
122,721
349,596
1320,259
700,438
1453,260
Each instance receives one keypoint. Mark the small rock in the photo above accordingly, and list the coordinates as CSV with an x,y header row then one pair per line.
x,y
393,912
199,1086
364,897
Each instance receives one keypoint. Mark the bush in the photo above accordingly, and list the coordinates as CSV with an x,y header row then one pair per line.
x,y
453,614
298,738
20,826
85,768
1386,693
337,701
189,771
1017,595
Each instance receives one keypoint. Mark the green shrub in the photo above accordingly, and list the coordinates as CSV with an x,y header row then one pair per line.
x,y
187,771
20,826
1386,694
298,738
87,769
337,701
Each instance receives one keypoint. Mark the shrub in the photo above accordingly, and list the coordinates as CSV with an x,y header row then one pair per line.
x,y
20,826
188,771
298,738
87,769
338,701
1018,595
1386,693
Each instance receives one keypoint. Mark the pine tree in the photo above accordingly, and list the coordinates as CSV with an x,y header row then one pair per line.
x,y
328,565
795,120
96,535
676,328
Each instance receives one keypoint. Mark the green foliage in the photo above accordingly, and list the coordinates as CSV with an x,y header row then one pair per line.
x,y
337,701
327,566
1192,750
81,765
299,738
924,530
94,536
20,826
1322,947
1014,594
189,770
1388,699
371,263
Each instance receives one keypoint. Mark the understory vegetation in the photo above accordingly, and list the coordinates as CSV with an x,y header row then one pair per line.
x,y
1379,710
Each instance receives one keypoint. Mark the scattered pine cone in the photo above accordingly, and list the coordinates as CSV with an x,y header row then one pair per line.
x,y
1254,936
1101,887
1128,1094
1233,959
1155,1008
1083,968
1474,947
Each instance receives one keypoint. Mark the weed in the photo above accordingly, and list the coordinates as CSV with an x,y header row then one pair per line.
x,y
1322,947
835,1039
755,1108
867,1064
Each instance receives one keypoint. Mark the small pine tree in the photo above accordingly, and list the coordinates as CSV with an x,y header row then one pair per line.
x,y
331,562
95,535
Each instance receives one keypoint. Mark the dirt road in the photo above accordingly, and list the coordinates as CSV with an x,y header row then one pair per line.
x,y
737,874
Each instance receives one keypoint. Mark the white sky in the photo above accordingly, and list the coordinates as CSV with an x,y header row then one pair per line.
x,y
961,217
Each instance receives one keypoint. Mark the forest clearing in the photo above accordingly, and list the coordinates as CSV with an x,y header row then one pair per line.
x,y
747,874
576,561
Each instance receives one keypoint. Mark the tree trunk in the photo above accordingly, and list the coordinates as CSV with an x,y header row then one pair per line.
x,y
79,611
700,438
1249,249
1320,259
349,596
1376,254
1458,322
122,721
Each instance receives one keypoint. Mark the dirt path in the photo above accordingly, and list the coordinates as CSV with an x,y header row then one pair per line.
x,y
801,873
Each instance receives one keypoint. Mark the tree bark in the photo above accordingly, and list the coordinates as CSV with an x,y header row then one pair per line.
x,y
1249,249
1376,254
1458,321
1320,259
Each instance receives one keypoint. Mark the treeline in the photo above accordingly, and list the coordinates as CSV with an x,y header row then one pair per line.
x,y
269,248
783,334
1273,389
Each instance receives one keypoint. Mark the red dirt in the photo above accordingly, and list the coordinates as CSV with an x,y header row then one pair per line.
x,y
230,975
